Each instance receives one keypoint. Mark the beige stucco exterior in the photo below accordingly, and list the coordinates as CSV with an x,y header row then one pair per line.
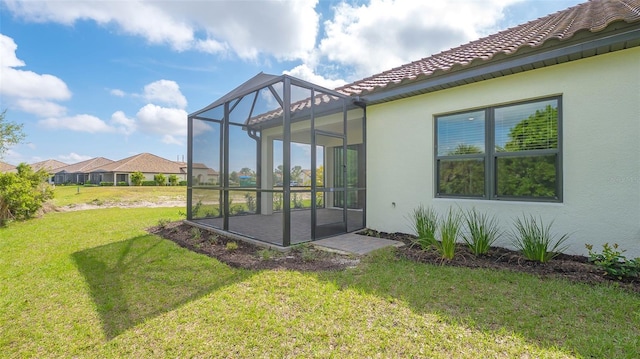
x,y
601,151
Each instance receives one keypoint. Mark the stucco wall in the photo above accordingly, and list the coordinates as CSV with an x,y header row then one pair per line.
x,y
601,151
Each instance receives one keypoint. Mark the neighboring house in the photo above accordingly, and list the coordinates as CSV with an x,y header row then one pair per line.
x,y
150,165
540,119
50,166
79,173
202,174
5,167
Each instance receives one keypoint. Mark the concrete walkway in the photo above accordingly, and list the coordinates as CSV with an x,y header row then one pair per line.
x,y
352,243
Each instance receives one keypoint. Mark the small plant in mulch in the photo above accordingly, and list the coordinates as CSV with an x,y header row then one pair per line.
x,y
482,231
613,262
536,241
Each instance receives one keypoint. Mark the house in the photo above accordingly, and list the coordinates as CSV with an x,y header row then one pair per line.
x,y
147,163
202,174
5,167
79,173
540,119
50,166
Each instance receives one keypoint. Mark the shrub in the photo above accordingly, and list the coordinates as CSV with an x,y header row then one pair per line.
x,y
123,183
482,231
23,193
182,183
251,202
137,178
173,180
160,179
425,223
535,240
104,184
149,183
613,262
449,233
231,246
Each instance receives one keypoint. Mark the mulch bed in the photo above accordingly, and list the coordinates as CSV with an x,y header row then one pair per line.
x,y
250,256
306,258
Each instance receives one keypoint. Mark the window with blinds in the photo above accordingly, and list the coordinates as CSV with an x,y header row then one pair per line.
x,y
501,152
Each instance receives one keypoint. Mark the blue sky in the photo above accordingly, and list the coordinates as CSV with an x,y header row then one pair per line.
x,y
117,78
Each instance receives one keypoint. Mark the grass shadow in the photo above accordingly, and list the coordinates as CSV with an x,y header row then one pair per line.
x,y
581,319
140,278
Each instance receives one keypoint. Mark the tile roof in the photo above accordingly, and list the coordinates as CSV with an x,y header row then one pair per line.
x,y
144,162
5,167
49,165
85,166
592,16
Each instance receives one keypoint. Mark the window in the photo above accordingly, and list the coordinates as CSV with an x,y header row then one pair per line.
x,y
503,152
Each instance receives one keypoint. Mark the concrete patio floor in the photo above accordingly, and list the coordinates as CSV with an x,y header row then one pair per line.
x,y
352,243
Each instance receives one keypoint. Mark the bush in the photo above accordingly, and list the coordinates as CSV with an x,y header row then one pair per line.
x,y
173,180
23,193
160,179
123,183
482,231
104,184
535,240
613,262
149,183
137,178
425,223
449,233
182,183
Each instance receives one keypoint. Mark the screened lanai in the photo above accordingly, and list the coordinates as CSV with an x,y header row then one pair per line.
x,y
278,160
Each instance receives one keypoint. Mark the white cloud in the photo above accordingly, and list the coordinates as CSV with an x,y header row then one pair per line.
x,y
26,90
40,107
171,140
79,123
165,92
117,93
388,33
304,72
282,28
140,18
169,122
8,49
122,123
74,158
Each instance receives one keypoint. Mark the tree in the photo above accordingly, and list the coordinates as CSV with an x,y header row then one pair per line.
x,y
136,178
527,175
160,179
23,193
234,177
462,176
10,134
296,174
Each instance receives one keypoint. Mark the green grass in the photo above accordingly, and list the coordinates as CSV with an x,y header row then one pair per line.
x,y
95,284
74,195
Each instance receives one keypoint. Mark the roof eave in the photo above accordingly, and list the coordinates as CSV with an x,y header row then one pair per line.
x,y
545,56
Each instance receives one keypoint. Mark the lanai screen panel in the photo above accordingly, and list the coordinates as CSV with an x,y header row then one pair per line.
x,y
265,171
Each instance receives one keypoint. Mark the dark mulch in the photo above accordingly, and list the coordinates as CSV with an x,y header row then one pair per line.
x,y
307,258
250,256
574,268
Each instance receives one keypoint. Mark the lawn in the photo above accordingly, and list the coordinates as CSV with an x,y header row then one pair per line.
x,y
100,195
96,284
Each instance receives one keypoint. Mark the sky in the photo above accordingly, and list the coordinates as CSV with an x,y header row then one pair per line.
x,y
117,78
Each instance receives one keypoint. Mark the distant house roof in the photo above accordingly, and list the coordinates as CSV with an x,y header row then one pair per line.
x,y
49,165
85,166
202,166
590,17
5,167
144,162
